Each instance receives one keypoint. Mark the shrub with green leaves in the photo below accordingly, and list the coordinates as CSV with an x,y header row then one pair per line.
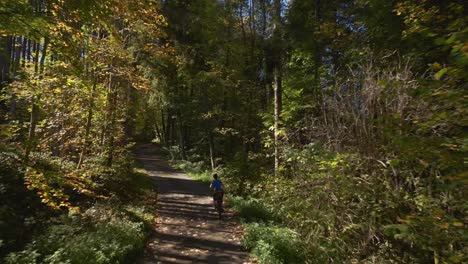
x,y
273,244
250,209
195,170
113,242
20,208
114,239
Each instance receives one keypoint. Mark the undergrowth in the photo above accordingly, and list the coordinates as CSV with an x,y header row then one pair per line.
x,y
102,235
250,209
94,214
194,170
264,236
273,244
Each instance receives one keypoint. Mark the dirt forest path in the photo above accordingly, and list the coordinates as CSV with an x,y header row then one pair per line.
x,y
187,227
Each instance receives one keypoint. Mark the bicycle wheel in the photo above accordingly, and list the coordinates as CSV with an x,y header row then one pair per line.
x,y
220,208
219,205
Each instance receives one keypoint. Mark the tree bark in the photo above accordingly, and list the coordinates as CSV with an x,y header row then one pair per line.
x,y
211,143
164,128
23,51
31,142
181,138
111,125
278,108
44,54
89,119
5,59
32,127
158,132
277,38
16,55
36,57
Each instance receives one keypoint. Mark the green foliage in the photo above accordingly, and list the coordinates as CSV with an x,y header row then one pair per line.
x,y
273,244
431,232
144,214
20,208
113,239
194,165
113,232
19,17
173,152
195,170
343,213
250,209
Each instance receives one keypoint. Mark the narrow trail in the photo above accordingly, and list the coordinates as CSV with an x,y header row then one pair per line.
x,y
187,226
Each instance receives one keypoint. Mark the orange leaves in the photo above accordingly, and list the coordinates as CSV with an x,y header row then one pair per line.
x,y
56,188
437,219
50,195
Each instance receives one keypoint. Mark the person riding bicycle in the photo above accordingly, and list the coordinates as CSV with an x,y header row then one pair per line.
x,y
217,186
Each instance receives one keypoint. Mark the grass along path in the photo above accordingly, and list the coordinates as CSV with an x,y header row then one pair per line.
x,y
187,228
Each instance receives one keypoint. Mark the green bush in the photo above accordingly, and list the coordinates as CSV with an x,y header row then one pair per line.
x,y
20,208
273,244
113,240
106,211
195,170
141,213
250,209
173,153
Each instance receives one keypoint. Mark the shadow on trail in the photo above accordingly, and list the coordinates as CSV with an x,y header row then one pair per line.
x,y
187,228
200,243
210,259
168,185
218,252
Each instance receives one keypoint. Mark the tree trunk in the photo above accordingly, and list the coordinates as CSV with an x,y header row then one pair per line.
x,y
158,132
278,107
31,142
170,128
251,15
23,52
44,54
111,125
89,119
206,107
36,57
211,142
277,38
129,126
6,42
17,55
32,127
164,128
181,138
5,59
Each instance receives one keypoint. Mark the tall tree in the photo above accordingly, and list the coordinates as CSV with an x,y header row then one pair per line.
x,y
278,56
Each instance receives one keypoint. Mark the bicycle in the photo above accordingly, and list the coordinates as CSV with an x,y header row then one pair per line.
x,y
218,198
